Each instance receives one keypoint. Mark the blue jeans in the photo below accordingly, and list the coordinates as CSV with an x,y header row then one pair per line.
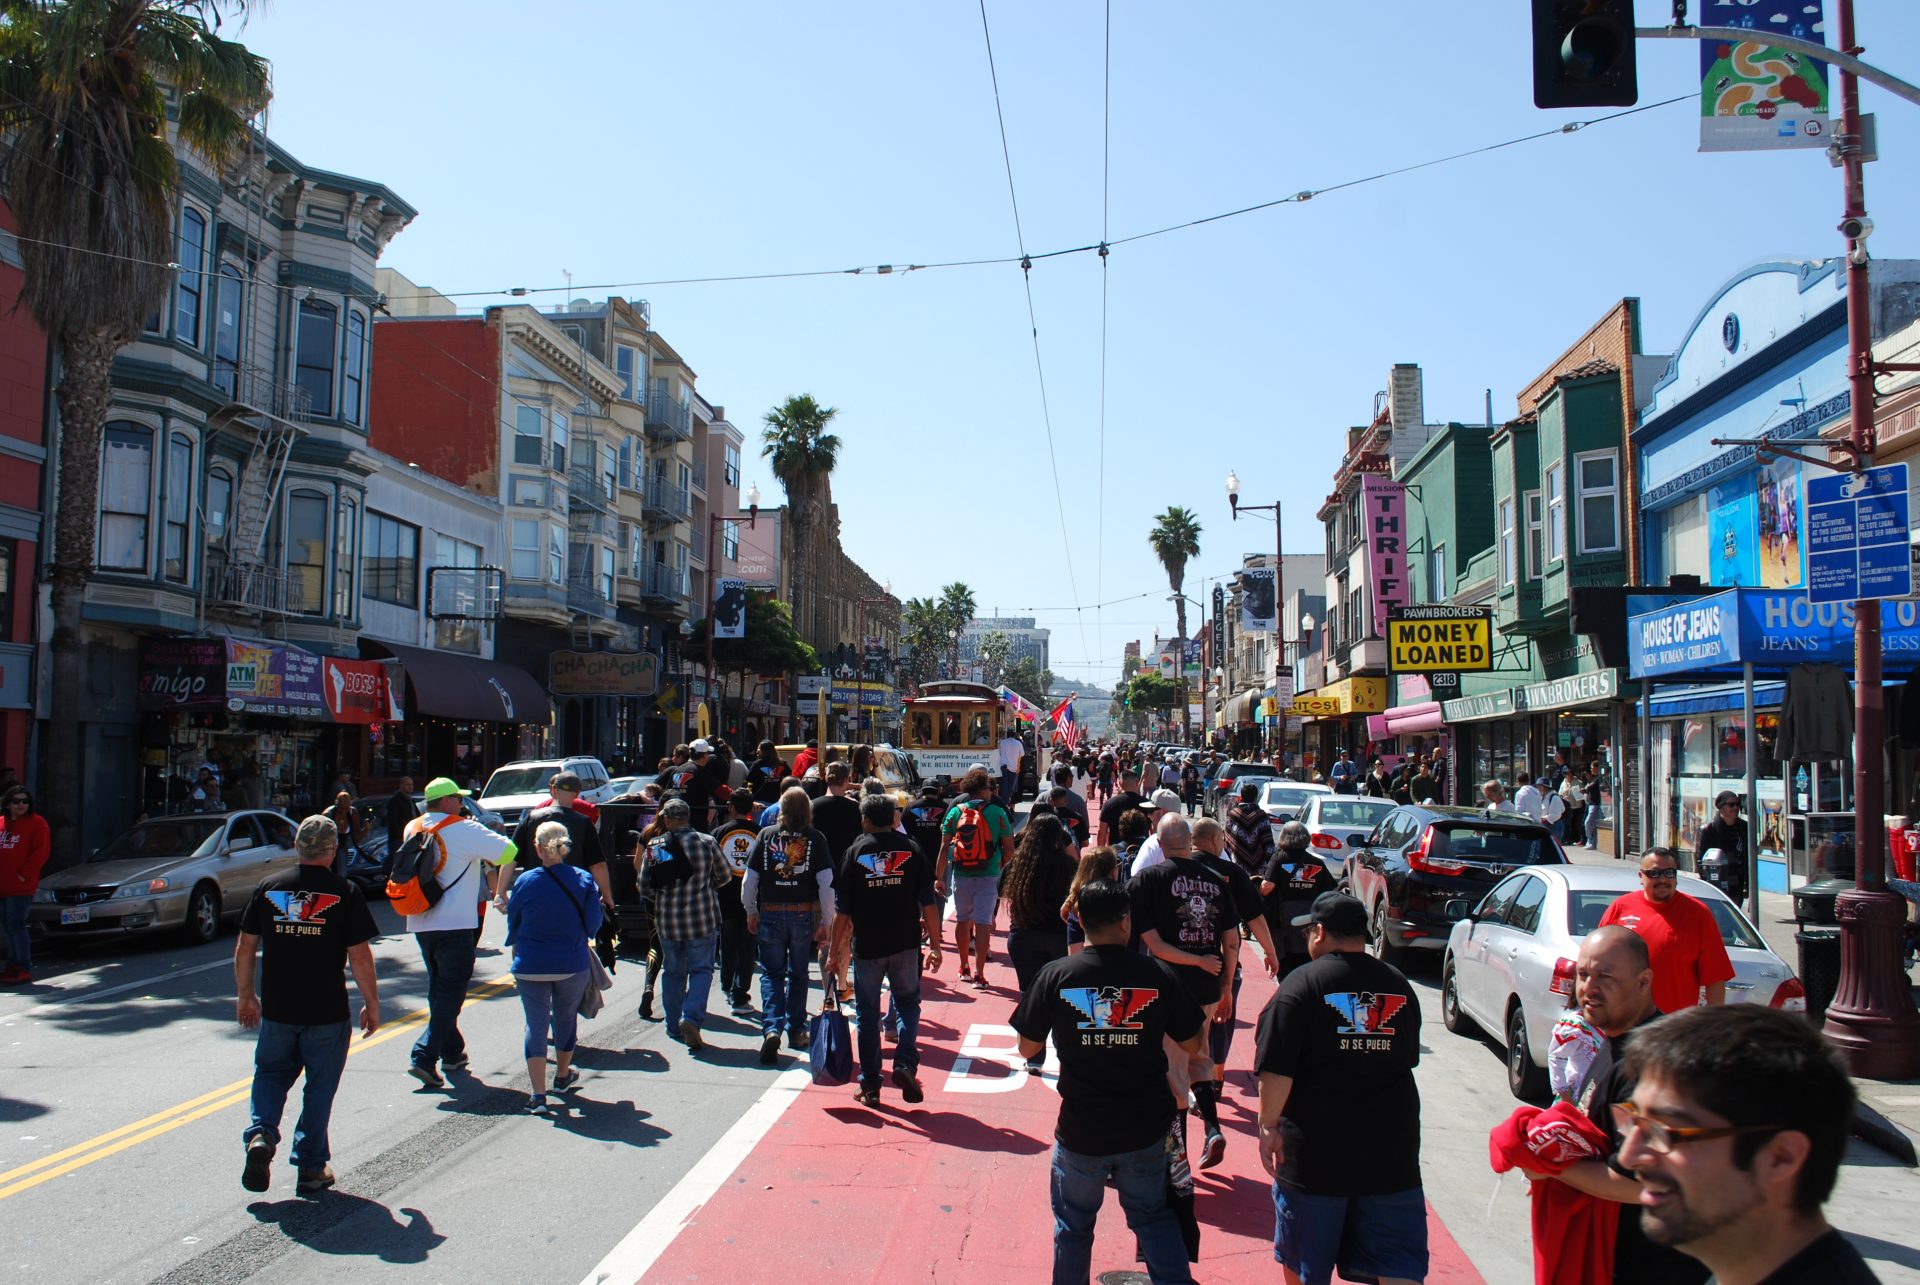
x,y
1009,784
1140,1177
901,972
1593,824
786,950
686,976
282,1053
13,920
449,958
555,1004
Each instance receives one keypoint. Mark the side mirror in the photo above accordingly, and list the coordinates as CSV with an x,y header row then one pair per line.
x,y
1456,909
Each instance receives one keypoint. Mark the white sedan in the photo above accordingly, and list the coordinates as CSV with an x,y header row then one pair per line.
x,y
1283,800
1509,964
1337,823
613,789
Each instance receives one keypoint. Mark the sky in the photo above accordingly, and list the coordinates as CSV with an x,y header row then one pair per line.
x,y
632,142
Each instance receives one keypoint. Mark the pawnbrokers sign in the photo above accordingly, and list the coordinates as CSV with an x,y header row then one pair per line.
x,y
1439,640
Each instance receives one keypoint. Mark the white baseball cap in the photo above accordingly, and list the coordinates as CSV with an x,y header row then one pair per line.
x,y
1165,801
700,747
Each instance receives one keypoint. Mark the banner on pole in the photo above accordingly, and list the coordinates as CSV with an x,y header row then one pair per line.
x,y
730,609
1756,96
1259,601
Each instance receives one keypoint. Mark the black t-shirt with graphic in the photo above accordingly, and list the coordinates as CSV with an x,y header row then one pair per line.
x,y
1109,1009
1191,907
735,838
882,886
585,852
787,864
763,780
1346,1028
1297,878
306,919
1117,807
1241,890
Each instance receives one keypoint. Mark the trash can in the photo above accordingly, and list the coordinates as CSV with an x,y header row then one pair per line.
x,y
1819,968
1816,902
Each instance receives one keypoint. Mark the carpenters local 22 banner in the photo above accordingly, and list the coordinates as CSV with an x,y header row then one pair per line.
x,y
1439,640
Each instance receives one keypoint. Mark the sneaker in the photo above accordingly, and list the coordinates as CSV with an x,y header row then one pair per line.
x,y
14,976
1213,1149
458,1062
690,1033
1035,1065
536,1104
868,1098
909,1085
769,1050
741,1007
426,1075
646,1008
258,1173
966,973
312,1180
565,1080
980,982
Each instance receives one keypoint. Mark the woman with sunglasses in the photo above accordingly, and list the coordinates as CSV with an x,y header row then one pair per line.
x,y
24,847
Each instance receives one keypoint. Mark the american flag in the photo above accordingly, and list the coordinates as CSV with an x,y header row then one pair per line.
x,y
1069,728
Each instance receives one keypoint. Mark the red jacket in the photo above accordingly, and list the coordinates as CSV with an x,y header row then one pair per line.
x,y
1573,1232
25,846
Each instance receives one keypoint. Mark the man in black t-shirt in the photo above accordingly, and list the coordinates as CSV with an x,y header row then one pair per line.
x,y
884,900
735,835
585,853
788,894
1339,1111
312,925
1117,806
1111,1013
765,773
1291,883
836,814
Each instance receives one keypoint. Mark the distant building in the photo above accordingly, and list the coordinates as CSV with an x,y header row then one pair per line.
x,y
1027,638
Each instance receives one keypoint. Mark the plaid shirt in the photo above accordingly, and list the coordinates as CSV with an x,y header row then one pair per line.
x,y
690,909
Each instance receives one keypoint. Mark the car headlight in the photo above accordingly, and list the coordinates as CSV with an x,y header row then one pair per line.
x,y
44,896
146,889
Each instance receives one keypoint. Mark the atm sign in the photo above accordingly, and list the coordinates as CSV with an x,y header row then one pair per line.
x,y
1436,640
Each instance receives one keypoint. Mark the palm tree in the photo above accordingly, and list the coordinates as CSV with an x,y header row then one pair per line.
x,y
803,454
91,175
956,609
1175,537
923,628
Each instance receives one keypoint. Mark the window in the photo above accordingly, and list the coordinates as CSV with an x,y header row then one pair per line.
x,y
190,284
556,554
219,508
307,552
1598,476
527,491
730,541
1509,545
1556,513
527,432
1438,586
8,548
228,290
1524,914
344,531
356,367
609,469
1333,630
526,549
393,560
1536,542
623,366
686,478
732,465
464,599
177,495
628,453
559,442
606,574
126,491
1357,624
313,354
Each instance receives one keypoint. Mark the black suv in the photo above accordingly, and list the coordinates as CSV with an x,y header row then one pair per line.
x,y
1420,858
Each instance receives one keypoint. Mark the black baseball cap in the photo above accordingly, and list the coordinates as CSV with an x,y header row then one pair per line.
x,y
1339,914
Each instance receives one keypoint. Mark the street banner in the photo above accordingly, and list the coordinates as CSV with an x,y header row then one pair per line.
x,y
1190,648
730,608
1259,601
1219,624
1439,640
1756,96
1169,661
758,562
1383,514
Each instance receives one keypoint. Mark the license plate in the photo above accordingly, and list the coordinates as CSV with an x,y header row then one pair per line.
x,y
75,915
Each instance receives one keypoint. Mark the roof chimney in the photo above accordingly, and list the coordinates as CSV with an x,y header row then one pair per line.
x,y
1406,404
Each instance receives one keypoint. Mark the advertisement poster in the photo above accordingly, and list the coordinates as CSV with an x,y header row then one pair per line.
x,y
758,562
730,608
1778,501
266,679
1259,602
1383,513
359,691
1754,95
1734,556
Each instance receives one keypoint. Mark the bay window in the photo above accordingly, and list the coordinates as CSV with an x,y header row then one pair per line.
x,y
1597,474
314,354
306,545
126,496
1556,513
190,285
526,549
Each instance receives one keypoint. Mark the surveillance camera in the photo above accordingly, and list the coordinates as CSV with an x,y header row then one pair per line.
x,y
1856,229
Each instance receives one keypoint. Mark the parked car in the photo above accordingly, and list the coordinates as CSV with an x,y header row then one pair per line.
x,y
518,786
1284,801
1336,822
1227,780
1418,858
368,867
1508,968
177,872
613,789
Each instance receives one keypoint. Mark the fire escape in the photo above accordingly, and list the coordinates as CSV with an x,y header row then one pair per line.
x,y
273,413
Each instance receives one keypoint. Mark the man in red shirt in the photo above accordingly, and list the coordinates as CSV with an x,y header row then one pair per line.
x,y
1682,935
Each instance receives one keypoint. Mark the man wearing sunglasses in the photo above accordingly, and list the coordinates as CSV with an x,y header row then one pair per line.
x,y
1682,935
1735,1133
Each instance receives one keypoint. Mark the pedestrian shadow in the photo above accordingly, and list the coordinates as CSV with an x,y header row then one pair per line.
x,y
621,1122
1234,1204
1875,1250
946,1128
370,1228
629,1059
14,1110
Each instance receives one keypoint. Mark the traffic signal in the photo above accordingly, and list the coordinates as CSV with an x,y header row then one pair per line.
x,y
1583,54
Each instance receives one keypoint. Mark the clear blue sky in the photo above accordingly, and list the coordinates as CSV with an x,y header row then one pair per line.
x,y
640,141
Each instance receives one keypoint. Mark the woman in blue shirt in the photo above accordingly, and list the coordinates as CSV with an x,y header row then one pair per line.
x,y
552,916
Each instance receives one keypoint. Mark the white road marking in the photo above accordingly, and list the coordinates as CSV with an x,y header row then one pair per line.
x,y
640,1248
85,995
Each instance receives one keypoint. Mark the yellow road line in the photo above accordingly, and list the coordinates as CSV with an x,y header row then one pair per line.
x,y
117,1140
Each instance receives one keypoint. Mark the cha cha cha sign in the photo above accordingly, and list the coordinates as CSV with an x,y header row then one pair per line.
x,y
1769,628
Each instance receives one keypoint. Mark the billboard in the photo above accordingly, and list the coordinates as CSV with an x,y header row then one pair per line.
x,y
603,673
1383,516
759,560
729,608
1259,601
1439,640
1756,96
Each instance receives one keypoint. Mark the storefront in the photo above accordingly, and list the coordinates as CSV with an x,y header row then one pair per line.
x,y
1413,725
468,716
1334,718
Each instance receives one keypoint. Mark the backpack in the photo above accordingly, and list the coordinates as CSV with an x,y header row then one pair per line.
x,y
412,889
972,838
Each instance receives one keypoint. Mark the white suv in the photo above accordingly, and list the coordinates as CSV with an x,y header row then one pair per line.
x,y
516,787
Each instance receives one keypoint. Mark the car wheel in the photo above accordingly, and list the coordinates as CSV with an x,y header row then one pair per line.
x,y
1382,945
203,915
1456,1021
1527,1081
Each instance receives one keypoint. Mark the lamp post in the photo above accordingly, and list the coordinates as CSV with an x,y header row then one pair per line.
x,y
1307,625
1279,566
752,515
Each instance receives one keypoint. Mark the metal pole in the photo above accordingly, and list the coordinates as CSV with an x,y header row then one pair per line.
x,y
1279,600
1646,770
1753,798
712,539
1616,761
1872,1019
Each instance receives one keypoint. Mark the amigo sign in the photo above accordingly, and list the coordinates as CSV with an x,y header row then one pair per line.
x,y
1439,640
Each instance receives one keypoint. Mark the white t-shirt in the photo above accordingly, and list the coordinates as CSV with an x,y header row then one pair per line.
x,y
1010,751
1148,855
469,844
1528,800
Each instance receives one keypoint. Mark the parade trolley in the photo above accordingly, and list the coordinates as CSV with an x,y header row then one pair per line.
x,y
948,726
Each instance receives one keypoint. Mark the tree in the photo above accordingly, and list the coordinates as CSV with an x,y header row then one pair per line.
x,y
91,175
994,649
803,455
1175,537
772,645
1027,679
923,629
956,610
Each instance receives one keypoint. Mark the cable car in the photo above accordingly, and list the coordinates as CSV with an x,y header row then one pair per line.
x,y
950,726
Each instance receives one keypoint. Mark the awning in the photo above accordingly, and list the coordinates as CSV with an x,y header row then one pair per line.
x,y
1405,720
1715,696
467,689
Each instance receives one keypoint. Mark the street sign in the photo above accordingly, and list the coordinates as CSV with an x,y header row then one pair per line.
x,y
1439,640
1857,542
812,685
808,705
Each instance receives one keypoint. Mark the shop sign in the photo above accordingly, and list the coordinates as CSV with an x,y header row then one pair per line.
x,y
1384,511
283,682
1357,695
603,673
1315,707
359,691
1469,709
813,684
808,706
1439,640
180,673
1701,634
1578,689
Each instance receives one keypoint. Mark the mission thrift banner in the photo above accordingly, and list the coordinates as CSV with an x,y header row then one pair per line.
x,y
1754,95
1383,514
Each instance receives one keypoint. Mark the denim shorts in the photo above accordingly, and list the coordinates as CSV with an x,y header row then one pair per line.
x,y
975,899
1365,1237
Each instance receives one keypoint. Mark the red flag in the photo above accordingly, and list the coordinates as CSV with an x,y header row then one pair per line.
x,y
1062,708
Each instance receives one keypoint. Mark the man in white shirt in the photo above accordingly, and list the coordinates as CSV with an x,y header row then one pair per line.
x,y
1163,804
445,932
1530,800
1012,750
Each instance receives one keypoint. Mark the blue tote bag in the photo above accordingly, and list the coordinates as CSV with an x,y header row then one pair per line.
x,y
830,1046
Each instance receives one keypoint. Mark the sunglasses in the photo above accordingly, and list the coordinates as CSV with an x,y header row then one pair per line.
x,y
1669,873
1661,1138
